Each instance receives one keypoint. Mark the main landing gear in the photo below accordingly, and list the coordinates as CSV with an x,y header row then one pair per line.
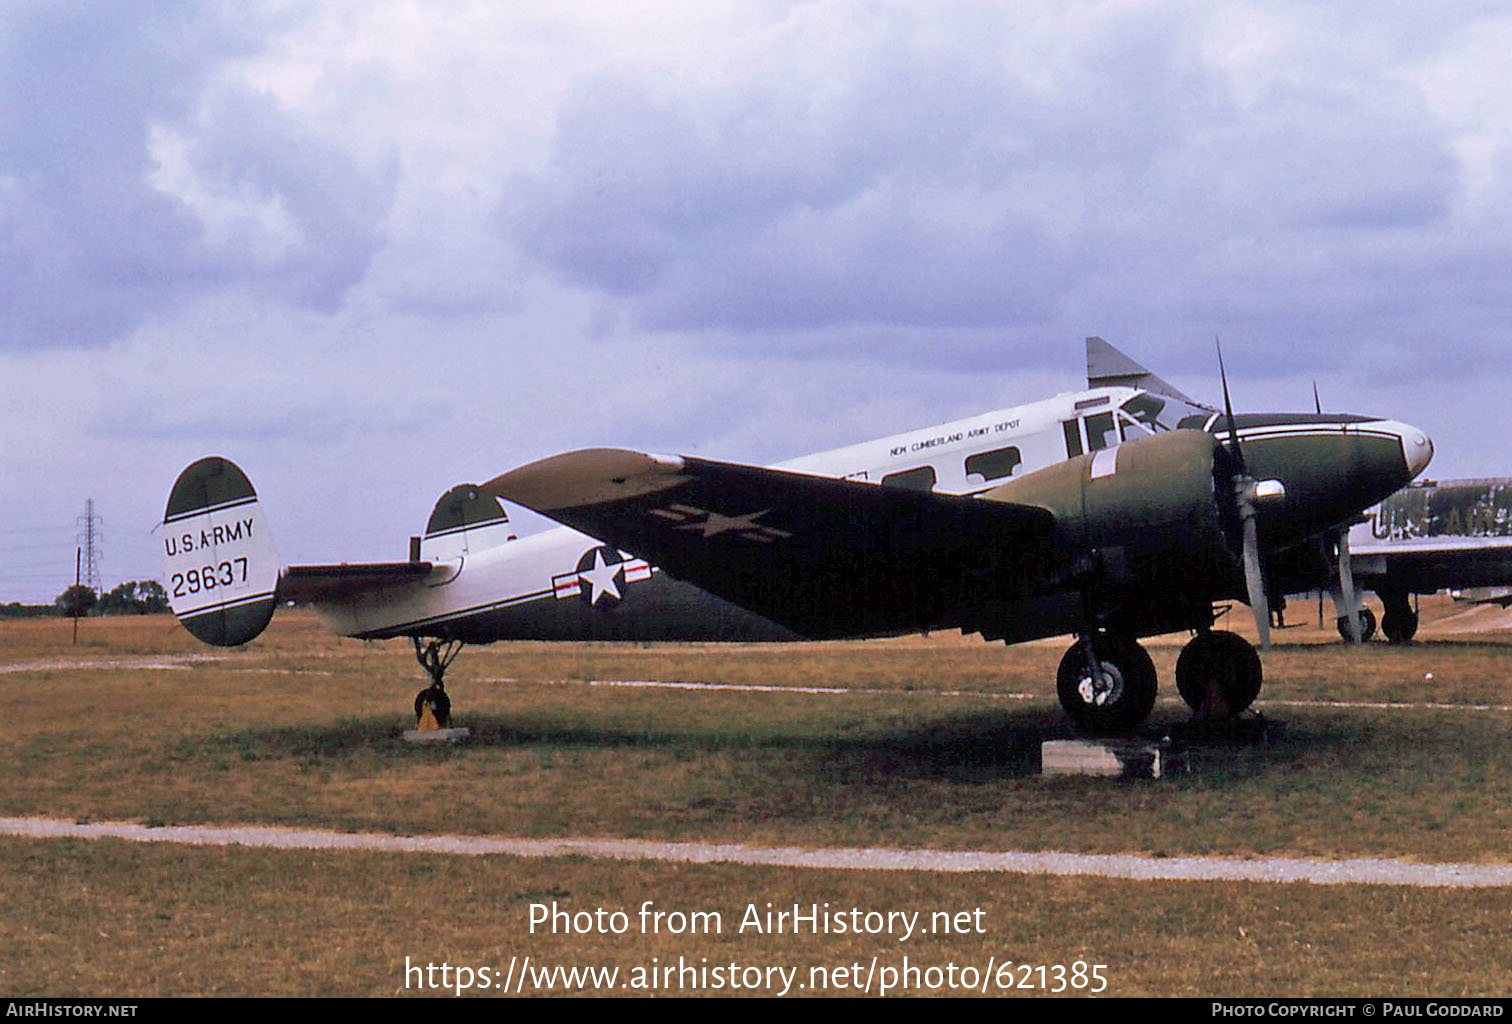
x,y
1218,675
1400,621
434,656
1367,622
1107,683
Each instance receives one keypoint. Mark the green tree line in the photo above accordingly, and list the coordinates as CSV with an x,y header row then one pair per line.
x,y
139,597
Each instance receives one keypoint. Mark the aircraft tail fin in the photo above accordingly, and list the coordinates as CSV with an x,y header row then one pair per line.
x,y
466,518
220,567
1106,365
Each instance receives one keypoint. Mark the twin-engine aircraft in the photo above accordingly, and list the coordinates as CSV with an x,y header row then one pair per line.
x,y
1113,514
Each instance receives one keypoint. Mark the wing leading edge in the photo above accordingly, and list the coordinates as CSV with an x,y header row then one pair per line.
x,y
824,557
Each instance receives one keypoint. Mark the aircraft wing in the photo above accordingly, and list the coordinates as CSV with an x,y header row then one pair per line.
x,y
1453,534
1425,564
823,556
306,583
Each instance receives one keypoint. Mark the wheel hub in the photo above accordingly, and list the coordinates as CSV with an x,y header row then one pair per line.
x,y
1105,687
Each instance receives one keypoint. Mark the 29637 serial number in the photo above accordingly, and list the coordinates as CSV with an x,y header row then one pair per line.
x,y
209,577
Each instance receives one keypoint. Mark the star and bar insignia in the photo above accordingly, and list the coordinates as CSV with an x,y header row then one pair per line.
x,y
599,576
712,524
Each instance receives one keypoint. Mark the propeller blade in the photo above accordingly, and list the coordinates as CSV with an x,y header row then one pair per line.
x,y
1245,495
1254,577
1317,402
1244,498
1228,412
1346,588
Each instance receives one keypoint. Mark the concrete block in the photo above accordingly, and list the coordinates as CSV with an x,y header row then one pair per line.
x,y
1119,759
435,735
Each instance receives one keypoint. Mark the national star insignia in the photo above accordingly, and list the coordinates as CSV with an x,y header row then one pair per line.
x,y
715,523
602,578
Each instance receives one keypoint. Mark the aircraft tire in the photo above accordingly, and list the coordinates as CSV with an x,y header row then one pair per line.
x,y
1225,659
1128,691
439,702
1400,622
1367,626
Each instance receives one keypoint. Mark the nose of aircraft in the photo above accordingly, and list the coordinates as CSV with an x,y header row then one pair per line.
x,y
1332,469
1417,447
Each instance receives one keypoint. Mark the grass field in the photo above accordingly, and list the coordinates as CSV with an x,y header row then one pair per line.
x,y
934,743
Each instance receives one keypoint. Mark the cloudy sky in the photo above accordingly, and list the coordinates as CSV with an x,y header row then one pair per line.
x,y
371,249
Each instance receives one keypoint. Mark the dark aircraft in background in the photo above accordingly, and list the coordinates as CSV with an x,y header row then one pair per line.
x,y
1092,513
1453,535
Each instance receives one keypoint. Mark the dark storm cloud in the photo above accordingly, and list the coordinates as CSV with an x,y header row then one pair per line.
x,y
926,181
958,176
88,245
882,196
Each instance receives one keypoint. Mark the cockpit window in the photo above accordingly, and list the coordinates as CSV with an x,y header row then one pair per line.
x,y
1129,427
1146,409
1100,432
1162,412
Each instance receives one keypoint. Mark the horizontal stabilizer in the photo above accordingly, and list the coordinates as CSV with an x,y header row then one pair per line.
x,y
307,584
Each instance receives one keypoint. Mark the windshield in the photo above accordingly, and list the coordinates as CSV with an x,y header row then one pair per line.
x,y
1156,413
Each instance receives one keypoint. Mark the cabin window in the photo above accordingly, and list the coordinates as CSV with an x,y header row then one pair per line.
x,y
921,479
994,465
1100,431
1073,438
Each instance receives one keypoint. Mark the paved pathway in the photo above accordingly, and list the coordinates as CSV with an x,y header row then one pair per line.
x,y
1259,869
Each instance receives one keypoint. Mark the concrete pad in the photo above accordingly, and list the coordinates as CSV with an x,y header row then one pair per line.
x,y
435,735
1118,759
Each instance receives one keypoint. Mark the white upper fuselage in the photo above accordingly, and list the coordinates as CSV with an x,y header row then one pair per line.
x,y
483,573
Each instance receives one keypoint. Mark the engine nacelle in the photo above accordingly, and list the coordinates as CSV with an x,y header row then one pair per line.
x,y
1134,518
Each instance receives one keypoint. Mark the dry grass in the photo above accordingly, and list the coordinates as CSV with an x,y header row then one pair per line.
x,y
300,728
112,918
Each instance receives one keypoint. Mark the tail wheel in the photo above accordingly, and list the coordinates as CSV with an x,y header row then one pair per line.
x,y
1219,674
1117,695
434,656
439,703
